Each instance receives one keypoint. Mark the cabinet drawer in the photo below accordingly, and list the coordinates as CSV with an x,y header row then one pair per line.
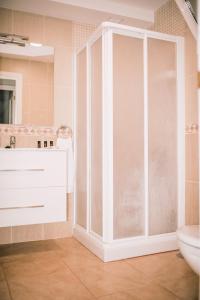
x,y
32,206
35,168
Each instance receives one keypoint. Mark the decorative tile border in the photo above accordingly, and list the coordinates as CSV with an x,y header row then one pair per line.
x,y
9,129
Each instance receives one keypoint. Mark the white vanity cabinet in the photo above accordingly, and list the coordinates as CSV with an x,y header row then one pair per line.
x,y
32,186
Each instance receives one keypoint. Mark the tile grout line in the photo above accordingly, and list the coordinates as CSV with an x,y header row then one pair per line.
x,y
80,281
7,283
77,276
168,290
160,284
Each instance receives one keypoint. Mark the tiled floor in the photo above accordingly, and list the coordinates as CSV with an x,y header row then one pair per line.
x,y
65,270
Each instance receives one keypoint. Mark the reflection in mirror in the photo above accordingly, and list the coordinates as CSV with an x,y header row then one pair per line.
x,y
7,95
10,98
26,84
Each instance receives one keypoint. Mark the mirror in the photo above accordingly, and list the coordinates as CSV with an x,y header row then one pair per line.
x,y
26,84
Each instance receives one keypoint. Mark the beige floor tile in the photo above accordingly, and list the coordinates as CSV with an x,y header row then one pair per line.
x,y
156,292
120,296
80,257
1,274
175,269
107,278
75,254
9,258
185,288
43,275
163,266
59,285
31,265
64,269
4,293
149,264
68,243
19,251
148,292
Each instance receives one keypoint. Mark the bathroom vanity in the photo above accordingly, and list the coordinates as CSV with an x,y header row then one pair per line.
x,y
33,184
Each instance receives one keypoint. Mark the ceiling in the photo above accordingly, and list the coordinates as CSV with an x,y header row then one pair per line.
x,y
131,12
146,4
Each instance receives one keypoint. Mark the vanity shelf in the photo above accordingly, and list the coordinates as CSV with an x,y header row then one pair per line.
x,y
32,186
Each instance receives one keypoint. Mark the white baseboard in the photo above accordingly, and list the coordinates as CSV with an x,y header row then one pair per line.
x,y
126,248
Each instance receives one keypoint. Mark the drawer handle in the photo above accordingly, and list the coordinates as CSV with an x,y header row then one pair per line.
x,y
21,207
22,170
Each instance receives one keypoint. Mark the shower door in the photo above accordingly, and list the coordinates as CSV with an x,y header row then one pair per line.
x,y
162,136
145,140
128,137
81,139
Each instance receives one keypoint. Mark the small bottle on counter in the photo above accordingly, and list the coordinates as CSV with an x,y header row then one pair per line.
x,y
51,143
39,144
45,144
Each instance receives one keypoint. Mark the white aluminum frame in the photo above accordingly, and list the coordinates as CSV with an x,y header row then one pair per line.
x,y
90,43
106,247
146,138
107,124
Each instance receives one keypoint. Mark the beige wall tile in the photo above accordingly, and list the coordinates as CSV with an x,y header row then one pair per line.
x,y
58,32
192,170
190,53
26,117
63,66
30,25
63,106
70,206
27,233
57,230
40,97
22,141
50,73
5,140
5,235
38,73
41,104
25,102
38,117
192,203
5,20
191,99
16,66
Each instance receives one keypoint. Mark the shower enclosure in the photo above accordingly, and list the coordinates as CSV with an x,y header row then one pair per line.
x,y
129,141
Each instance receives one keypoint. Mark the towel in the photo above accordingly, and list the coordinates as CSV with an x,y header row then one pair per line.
x,y
66,144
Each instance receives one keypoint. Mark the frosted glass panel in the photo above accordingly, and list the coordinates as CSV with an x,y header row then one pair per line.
x,y
128,147
81,197
162,136
96,137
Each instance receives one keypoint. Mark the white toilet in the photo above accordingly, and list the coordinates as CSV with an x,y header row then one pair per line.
x,y
189,244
